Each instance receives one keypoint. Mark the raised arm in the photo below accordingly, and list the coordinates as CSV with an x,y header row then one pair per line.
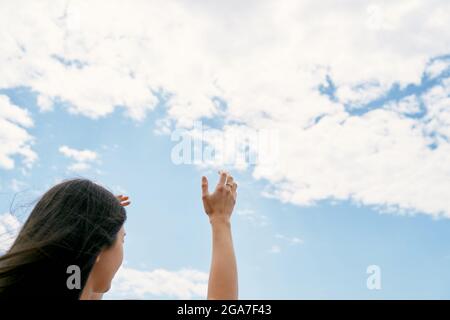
x,y
223,277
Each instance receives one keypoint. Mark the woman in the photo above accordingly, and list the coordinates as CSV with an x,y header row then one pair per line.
x,y
77,230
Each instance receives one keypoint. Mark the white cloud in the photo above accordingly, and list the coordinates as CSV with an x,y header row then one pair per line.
x,y
78,155
130,283
44,103
437,67
9,228
14,137
438,111
379,158
275,249
283,241
17,185
14,113
359,95
290,240
253,217
83,159
266,60
409,105
117,57
79,166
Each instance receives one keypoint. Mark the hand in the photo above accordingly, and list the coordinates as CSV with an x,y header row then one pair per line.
x,y
123,200
220,204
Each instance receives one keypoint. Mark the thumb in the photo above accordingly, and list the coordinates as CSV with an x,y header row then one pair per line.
x,y
205,192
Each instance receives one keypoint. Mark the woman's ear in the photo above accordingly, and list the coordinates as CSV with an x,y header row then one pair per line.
x,y
99,255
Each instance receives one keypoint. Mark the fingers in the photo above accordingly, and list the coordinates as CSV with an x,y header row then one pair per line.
x,y
226,180
223,178
204,187
126,203
234,187
231,184
123,200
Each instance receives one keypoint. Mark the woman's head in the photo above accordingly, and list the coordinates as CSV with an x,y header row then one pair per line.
x,y
75,223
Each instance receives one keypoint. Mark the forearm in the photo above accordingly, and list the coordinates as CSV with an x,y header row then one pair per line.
x,y
223,278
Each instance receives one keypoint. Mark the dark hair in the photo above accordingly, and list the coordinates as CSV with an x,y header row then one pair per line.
x,y
70,225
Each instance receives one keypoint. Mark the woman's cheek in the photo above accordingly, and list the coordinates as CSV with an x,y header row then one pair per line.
x,y
119,258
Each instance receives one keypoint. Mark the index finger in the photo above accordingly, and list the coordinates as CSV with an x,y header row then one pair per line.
x,y
223,178
125,204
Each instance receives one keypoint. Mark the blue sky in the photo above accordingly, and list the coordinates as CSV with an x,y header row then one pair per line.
x,y
167,228
362,177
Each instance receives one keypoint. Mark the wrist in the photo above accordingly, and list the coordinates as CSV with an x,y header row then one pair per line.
x,y
219,221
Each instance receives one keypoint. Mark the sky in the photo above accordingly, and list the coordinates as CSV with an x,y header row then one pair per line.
x,y
349,102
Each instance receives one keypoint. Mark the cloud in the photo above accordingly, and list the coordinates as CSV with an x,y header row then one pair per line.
x,y
282,66
17,185
253,217
290,240
409,105
283,241
379,158
83,159
275,249
130,283
437,119
437,67
78,155
125,61
9,228
14,137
